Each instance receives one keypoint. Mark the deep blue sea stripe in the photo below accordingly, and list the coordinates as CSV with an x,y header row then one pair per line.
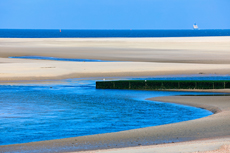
x,y
29,33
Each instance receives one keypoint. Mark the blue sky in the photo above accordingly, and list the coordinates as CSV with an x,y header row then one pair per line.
x,y
114,14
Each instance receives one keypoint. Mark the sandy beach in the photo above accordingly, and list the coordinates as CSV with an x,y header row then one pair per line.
x,y
139,57
146,56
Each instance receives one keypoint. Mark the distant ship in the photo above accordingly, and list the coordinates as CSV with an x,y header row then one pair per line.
x,y
195,26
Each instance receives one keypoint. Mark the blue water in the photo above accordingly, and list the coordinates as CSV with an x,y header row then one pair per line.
x,y
35,112
58,59
185,77
22,33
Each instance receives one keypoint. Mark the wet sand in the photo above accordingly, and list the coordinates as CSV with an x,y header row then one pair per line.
x,y
207,131
218,145
150,57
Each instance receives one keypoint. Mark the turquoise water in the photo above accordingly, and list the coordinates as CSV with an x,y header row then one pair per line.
x,y
36,112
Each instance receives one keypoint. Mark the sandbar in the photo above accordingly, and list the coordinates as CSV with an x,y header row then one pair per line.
x,y
146,57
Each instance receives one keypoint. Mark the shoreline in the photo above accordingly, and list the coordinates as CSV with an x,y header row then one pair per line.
x,y
186,131
149,57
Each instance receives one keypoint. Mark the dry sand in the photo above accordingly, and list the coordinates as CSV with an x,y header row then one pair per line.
x,y
148,56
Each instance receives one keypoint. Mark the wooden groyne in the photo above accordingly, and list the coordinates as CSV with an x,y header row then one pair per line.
x,y
163,84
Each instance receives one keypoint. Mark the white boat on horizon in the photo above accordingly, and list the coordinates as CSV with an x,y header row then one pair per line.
x,y
195,26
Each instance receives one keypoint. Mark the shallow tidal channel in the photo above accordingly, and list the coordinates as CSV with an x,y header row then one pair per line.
x,y
70,108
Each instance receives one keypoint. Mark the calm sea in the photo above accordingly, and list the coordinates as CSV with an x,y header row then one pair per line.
x,y
35,112
63,33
